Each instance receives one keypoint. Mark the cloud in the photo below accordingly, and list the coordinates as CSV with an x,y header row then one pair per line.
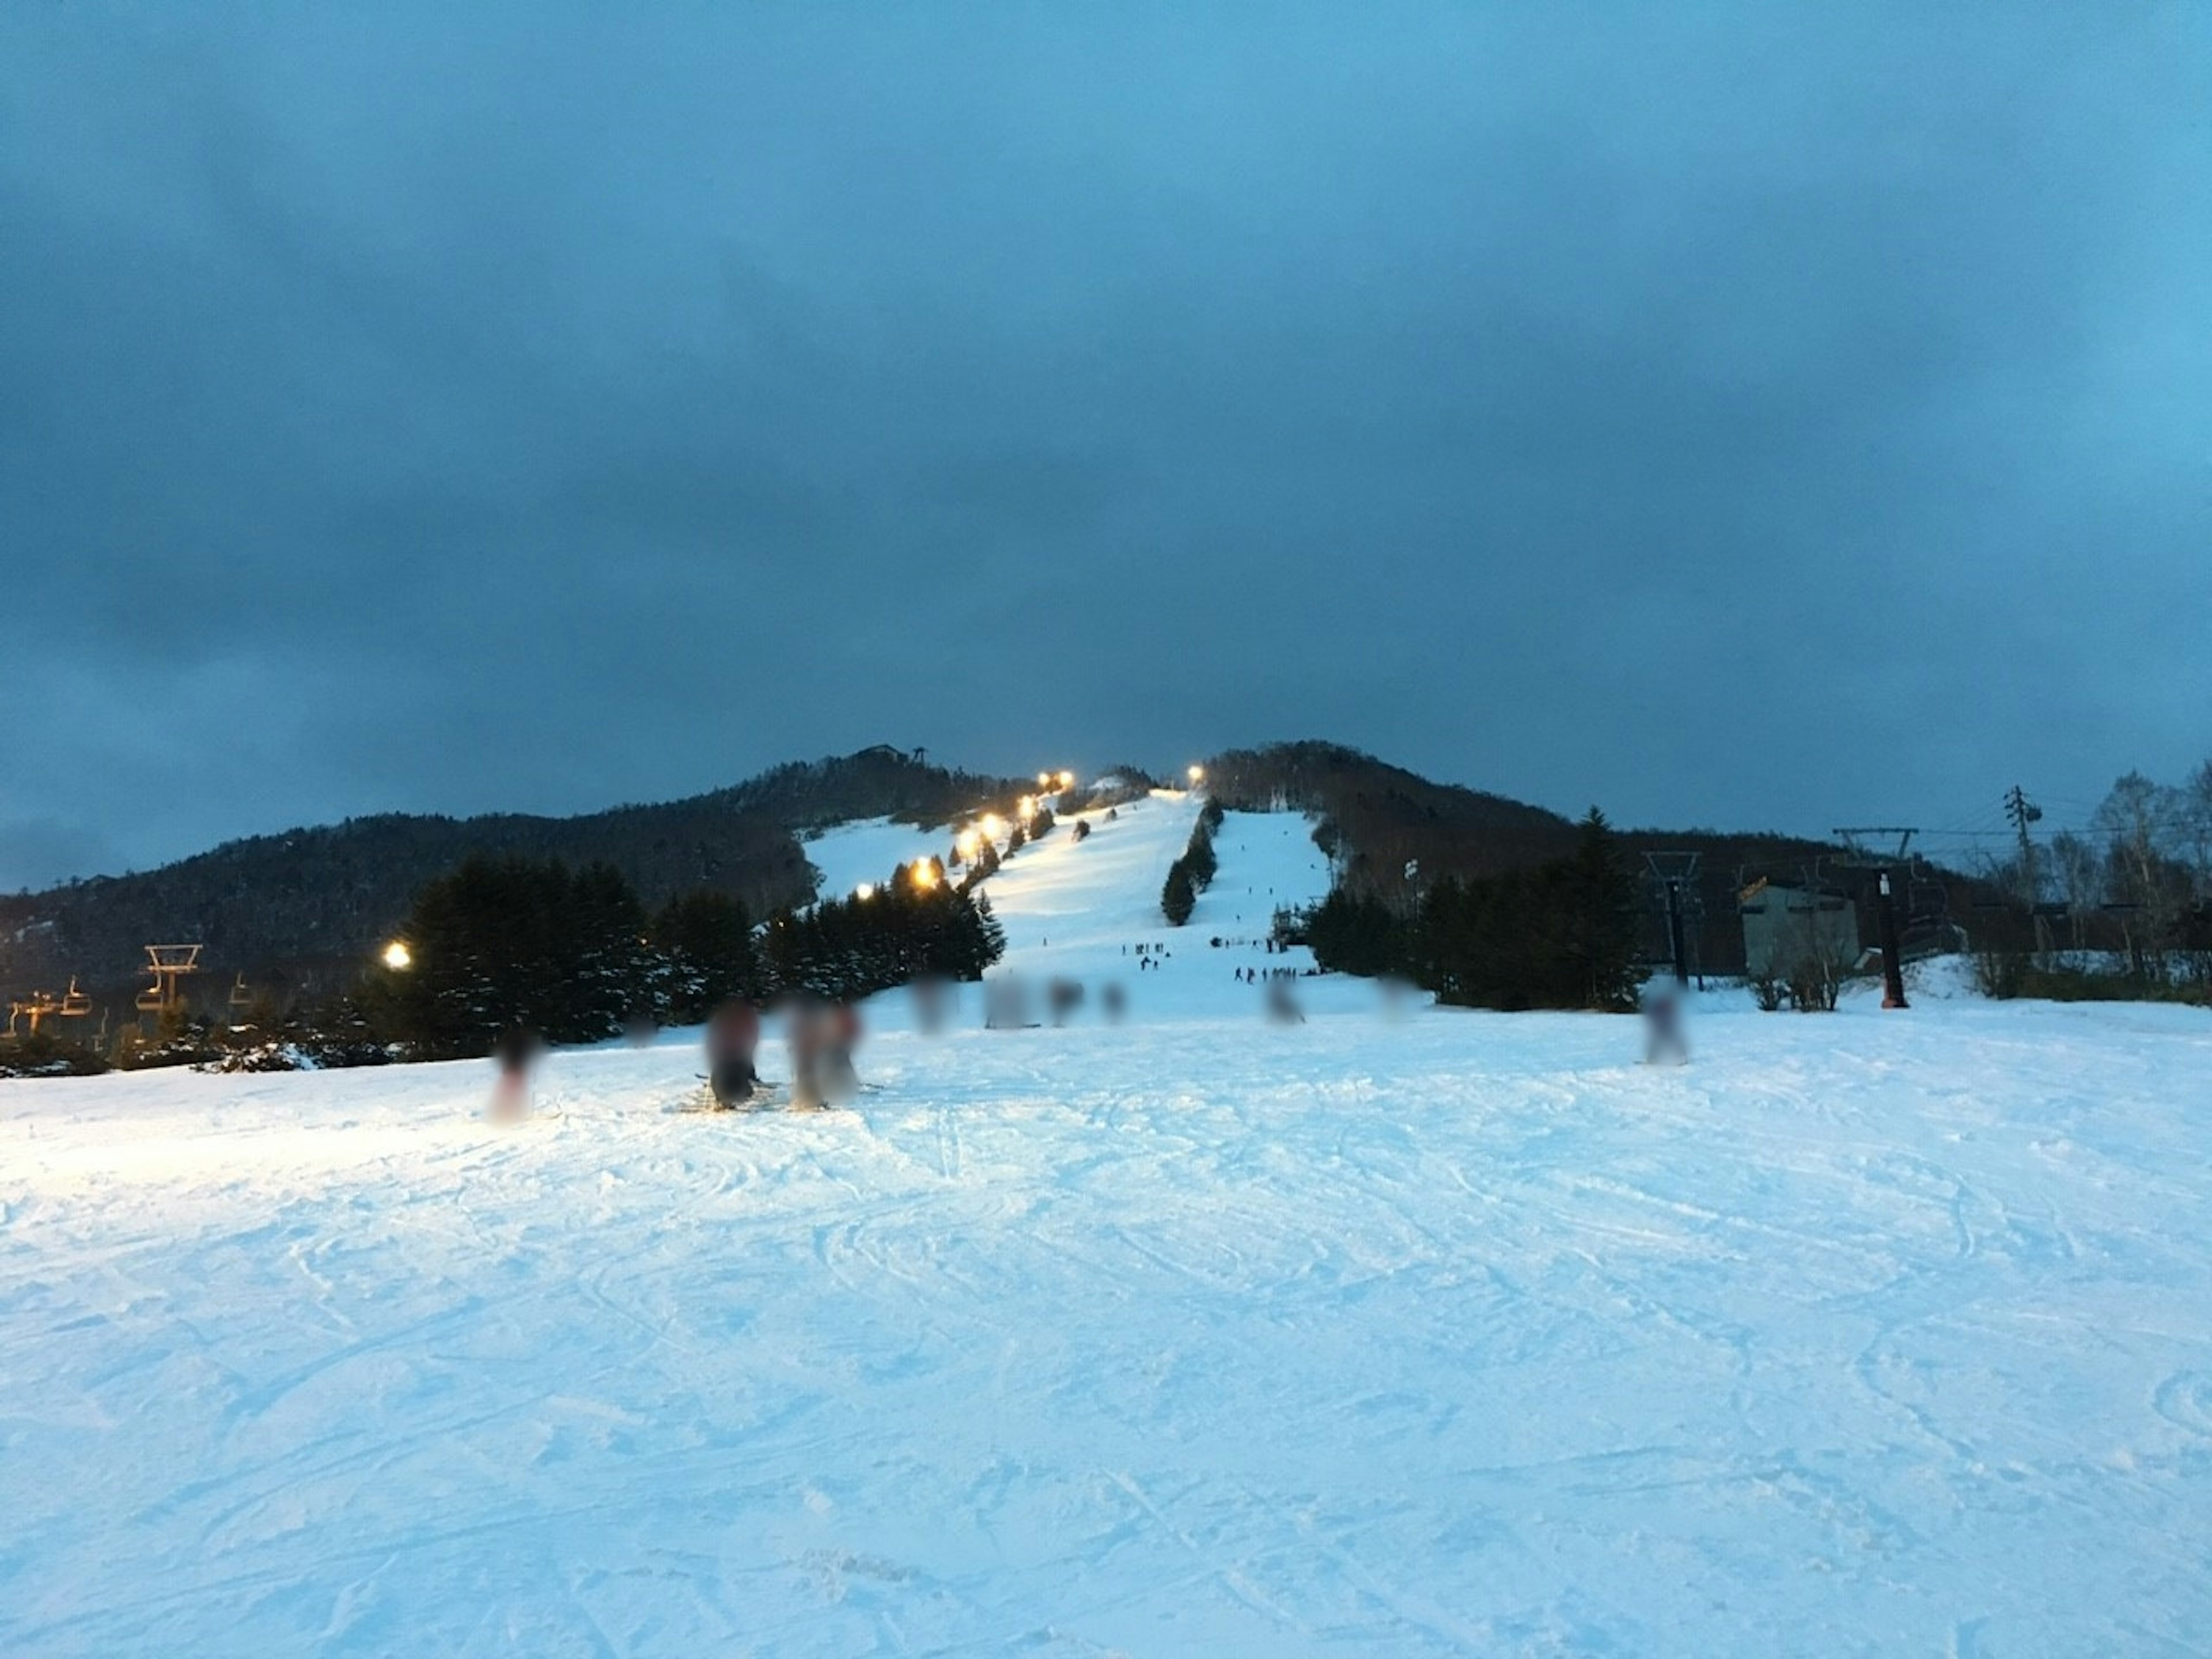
x,y
1730,414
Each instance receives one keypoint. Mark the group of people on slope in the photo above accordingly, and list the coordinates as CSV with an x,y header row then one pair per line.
x,y
820,1038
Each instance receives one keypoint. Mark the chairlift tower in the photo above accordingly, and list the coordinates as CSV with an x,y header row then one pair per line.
x,y
1672,872
1857,854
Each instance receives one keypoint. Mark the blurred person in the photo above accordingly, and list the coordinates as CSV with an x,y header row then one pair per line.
x,y
732,1036
934,999
805,1036
1662,1025
1006,1004
836,1079
515,1052
1065,996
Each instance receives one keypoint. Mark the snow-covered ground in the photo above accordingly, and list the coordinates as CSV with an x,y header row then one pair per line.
x,y
1446,1334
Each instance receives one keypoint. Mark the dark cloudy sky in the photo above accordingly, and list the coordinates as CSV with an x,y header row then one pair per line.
x,y
1765,414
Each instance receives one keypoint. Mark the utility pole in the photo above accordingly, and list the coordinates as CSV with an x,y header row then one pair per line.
x,y
2023,812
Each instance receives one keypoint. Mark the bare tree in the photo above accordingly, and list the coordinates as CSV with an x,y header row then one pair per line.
x,y
2136,820
2080,872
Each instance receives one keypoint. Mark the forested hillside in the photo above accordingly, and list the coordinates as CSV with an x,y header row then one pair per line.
x,y
294,903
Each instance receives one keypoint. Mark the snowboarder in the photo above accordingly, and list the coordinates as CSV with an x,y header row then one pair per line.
x,y
732,1035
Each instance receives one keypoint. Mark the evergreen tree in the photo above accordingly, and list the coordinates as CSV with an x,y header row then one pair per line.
x,y
1199,857
510,942
1559,935
1350,935
1179,896
1600,901
705,939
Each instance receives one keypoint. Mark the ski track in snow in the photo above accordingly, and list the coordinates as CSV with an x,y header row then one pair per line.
x,y
1455,1334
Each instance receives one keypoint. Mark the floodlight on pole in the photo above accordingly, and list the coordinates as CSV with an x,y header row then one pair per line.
x,y
866,889
398,956
925,872
1028,808
1197,775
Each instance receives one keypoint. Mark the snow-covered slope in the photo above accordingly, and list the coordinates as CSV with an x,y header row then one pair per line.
x,y
865,851
1457,1334
1080,909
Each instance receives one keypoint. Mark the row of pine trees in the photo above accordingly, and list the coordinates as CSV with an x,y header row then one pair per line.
x,y
1194,873
1561,934
573,956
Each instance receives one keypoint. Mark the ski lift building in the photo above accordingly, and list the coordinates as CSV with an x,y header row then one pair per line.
x,y
1785,925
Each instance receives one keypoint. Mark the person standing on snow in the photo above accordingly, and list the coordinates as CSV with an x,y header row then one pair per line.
x,y
732,1037
1662,1025
839,1081
516,1051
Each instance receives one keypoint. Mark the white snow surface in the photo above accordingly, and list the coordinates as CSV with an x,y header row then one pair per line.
x,y
1450,1334
868,851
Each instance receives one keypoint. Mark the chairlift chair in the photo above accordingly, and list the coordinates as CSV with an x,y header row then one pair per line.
x,y
35,1007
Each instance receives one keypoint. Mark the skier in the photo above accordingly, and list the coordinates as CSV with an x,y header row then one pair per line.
x,y
1662,1025
732,1035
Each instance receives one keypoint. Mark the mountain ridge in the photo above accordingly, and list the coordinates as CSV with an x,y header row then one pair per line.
x,y
301,907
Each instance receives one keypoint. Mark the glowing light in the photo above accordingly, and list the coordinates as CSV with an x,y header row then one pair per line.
x,y
1197,775
1044,780
1067,780
397,956
866,889
925,873
1027,807
994,825
968,842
